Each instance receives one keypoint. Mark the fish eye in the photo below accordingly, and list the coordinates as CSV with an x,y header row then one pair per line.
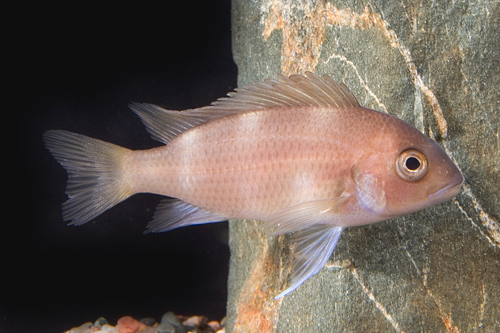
x,y
411,165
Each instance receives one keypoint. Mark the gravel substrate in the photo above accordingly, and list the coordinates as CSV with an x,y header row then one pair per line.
x,y
169,323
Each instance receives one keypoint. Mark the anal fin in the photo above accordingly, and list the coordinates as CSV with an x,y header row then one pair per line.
x,y
311,248
174,213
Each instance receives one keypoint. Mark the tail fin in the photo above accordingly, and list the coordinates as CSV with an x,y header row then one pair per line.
x,y
95,180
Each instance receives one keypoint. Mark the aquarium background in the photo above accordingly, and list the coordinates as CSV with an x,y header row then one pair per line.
x,y
77,68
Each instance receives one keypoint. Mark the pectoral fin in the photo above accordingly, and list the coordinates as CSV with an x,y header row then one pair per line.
x,y
311,248
305,215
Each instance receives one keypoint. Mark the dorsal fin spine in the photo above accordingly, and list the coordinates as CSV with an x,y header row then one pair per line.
x,y
296,90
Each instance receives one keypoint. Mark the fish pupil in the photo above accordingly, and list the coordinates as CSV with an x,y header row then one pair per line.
x,y
412,163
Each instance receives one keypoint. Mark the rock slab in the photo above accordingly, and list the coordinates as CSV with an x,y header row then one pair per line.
x,y
436,65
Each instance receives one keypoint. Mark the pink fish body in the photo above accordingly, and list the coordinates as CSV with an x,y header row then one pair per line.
x,y
298,153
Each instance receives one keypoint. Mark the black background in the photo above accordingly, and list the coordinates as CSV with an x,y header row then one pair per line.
x,y
77,68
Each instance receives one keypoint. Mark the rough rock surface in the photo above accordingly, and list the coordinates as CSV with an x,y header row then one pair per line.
x,y
436,65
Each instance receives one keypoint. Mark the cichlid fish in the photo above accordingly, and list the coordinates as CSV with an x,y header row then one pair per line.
x,y
298,153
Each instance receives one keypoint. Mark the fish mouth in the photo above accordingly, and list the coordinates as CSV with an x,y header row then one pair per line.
x,y
447,192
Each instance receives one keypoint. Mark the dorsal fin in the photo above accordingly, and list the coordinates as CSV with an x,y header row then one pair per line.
x,y
164,124
297,90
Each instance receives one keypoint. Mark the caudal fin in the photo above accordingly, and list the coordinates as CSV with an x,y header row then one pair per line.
x,y
95,180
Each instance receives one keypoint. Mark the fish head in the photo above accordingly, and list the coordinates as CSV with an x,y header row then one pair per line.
x,y
408,172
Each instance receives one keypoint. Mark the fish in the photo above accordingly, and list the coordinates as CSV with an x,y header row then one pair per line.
x,y
297,152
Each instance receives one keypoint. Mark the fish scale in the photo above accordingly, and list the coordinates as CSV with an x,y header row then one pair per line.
x,y
298,153
251,173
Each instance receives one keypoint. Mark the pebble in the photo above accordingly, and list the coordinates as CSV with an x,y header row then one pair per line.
x,y
148,321
149,330
107,329
165,327
100,322
85,328
171,318
128,324
169,323
195,321
214,325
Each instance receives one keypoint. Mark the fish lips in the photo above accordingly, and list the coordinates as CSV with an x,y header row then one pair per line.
x,y
451,179
435,197
448,191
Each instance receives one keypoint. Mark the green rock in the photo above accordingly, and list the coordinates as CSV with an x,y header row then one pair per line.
x,y
436,65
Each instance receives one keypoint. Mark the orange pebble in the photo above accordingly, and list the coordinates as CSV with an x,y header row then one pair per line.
x,y
128,324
